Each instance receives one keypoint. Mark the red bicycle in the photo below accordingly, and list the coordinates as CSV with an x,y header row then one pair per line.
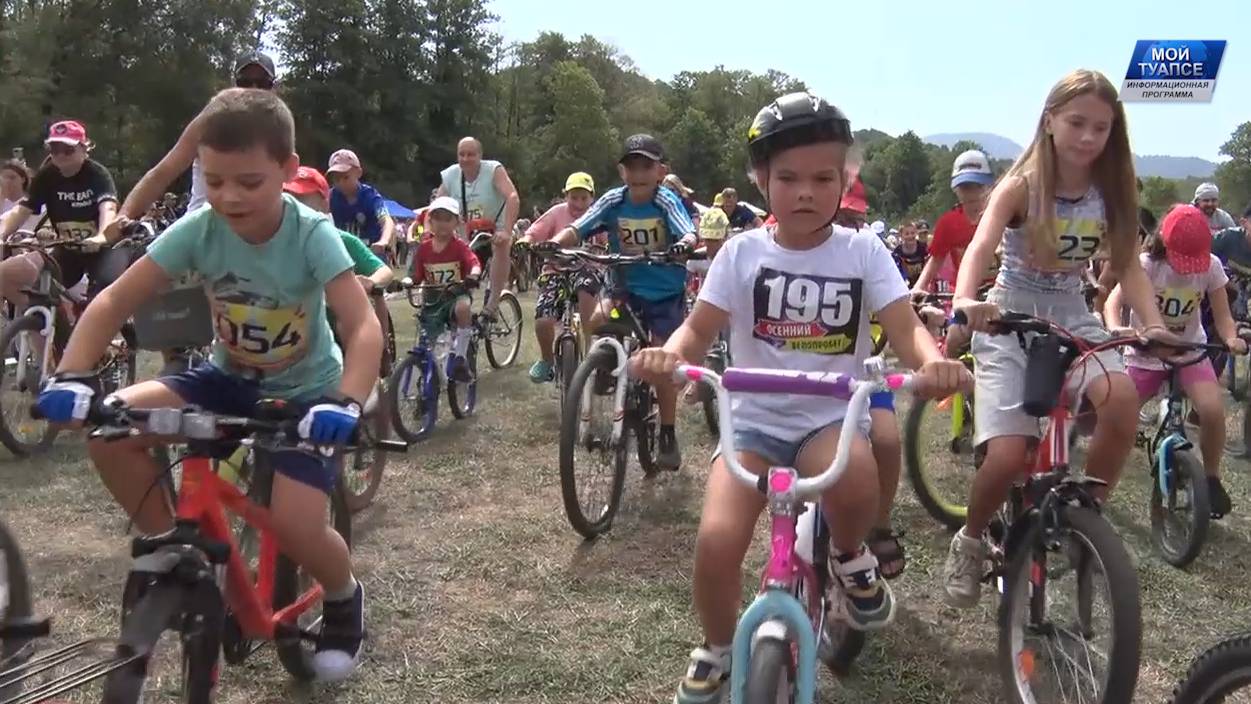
x,y
226,592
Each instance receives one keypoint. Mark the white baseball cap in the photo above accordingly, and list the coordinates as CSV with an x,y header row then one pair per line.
x,y
878,227
447,203
1207,190
971,167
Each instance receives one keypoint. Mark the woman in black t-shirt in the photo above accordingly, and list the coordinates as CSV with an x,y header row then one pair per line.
x,y
80,200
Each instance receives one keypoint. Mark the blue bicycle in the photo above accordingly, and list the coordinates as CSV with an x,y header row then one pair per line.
x,y
414,386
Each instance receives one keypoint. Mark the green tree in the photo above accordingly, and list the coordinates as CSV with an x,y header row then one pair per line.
x,y
1234,176
693,147
579,137
1158,193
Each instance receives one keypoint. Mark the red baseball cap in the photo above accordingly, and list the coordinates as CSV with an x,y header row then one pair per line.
x,y
308,180
67,132
1187,240
854,200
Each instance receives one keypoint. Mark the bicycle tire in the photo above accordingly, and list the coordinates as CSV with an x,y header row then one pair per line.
x,y
1216,673
1246,426
367,460
951,513
508,302
645,430
1123,599
409,375
770,673
295,654
21,448
461,396
1189,477
712,411
567,354
16,608
570,416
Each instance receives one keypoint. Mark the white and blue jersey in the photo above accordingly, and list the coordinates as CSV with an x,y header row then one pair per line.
x,y
635,228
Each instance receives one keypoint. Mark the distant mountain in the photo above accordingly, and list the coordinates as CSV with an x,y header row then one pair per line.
x,y
1173,166
998,147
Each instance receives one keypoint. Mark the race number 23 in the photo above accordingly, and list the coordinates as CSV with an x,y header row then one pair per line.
x,y
1079,239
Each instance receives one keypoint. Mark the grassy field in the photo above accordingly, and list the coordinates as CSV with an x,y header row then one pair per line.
x,y
478,591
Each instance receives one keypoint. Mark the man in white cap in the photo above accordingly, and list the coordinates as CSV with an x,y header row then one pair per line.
x,y
1208,199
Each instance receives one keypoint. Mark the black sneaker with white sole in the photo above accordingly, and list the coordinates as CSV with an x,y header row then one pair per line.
x,y
342,637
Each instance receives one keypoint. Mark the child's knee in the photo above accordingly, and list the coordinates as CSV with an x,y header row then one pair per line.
x,y
1207,402
722,543
1118,405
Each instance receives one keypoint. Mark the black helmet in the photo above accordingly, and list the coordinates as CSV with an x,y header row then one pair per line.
x,y
794,120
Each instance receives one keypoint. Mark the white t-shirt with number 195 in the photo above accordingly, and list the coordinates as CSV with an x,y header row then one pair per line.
x,y
804,310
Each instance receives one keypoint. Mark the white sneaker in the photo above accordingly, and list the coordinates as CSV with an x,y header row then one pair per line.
x,y
963,572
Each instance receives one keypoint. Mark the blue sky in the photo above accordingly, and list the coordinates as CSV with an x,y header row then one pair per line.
x,y
930,66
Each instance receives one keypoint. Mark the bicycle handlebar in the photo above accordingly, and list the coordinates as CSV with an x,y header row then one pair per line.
x,y
1011,322
628,259
841,386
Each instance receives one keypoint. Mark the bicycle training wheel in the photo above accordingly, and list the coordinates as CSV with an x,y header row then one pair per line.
x,y
1053,643
503,333
938,452
592,466
1181,511
20,433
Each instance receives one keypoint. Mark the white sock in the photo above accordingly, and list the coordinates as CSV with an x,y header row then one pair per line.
x,y
460,342
347,593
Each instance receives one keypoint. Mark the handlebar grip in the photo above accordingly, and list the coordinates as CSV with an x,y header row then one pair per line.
x,y
959,318
787,382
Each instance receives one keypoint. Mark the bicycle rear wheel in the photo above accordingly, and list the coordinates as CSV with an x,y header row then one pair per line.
x,y
1045,645
20,433
1217,673
592,467
938,452
772,675
503,333
16,608
290,581
1180,516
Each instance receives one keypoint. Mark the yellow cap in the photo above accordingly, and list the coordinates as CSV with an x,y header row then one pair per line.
x,y
581,180
713,224
718,200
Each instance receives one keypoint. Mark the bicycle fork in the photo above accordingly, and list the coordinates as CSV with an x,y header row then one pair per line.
x,y
24,345
618,415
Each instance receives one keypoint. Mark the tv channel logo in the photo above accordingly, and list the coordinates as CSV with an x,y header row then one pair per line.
x,y
1172,71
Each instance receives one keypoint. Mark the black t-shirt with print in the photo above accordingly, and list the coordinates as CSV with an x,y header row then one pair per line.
x,y
73,202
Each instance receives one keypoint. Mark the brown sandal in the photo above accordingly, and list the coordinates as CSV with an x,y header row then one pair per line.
x,y
885,545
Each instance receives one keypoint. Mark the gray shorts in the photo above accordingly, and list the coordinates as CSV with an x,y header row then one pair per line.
x,y
1000,362
779,452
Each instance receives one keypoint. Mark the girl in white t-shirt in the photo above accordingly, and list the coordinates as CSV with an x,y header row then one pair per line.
x,y
795,296
1182,269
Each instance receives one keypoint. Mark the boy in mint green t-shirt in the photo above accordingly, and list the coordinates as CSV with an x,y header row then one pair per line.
x,y
270,266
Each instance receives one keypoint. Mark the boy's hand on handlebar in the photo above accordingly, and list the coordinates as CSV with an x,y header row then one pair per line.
x,y
978,313
67,398
654,365
942,378
117,228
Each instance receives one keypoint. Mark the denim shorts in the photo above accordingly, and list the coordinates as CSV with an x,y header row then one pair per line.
x,y
779,452
215,391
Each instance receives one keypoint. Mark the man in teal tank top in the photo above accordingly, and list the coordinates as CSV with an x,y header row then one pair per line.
x,y
485,193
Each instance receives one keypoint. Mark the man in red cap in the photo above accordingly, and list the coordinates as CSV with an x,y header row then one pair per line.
x,y
853,208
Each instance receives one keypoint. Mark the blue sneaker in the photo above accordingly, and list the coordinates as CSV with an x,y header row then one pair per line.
x,y
541,372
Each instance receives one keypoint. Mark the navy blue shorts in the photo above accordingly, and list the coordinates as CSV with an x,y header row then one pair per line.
x,y
884,400
215,391
659,318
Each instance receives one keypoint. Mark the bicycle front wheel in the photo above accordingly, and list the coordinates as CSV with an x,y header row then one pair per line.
x,y
412,402
1181,511
592,466
1054,643
463,396
938,452
771,677
503,334
1217,673
21,374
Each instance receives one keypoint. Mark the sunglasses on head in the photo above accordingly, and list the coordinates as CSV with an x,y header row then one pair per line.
x,y
262,83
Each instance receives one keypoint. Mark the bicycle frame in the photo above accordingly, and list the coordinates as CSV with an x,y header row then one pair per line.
x,y
622,351
204,500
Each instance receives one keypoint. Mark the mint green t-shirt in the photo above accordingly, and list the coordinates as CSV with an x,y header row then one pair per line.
x,y
268,300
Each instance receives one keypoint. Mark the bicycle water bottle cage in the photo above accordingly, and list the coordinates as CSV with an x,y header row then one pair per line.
x,y
1046,362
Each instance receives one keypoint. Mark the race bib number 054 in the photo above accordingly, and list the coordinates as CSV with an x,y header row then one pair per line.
x,y
806,313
